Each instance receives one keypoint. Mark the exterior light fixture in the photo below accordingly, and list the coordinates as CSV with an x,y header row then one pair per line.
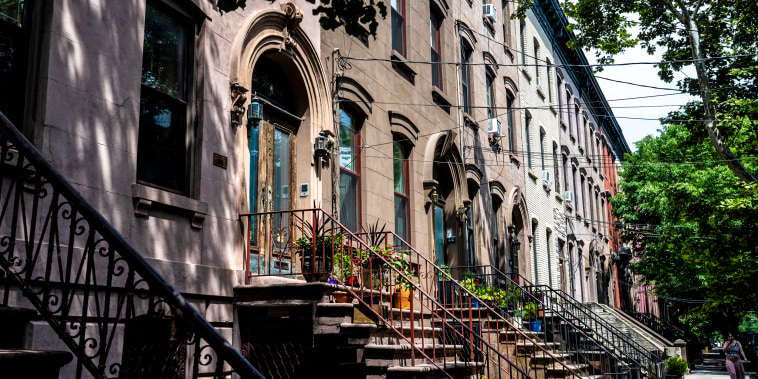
x,y
254,112
321,146
461,212
434,196
515,242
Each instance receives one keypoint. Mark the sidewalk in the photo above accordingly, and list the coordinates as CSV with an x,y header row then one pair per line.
x,y
713,374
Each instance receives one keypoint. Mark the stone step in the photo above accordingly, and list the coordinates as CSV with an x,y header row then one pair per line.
x,y
17,364
375,355
558,370
430,371
13,321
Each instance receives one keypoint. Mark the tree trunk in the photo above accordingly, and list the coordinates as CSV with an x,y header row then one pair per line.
x,y
717,138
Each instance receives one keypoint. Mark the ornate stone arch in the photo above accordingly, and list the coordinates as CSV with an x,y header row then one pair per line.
x,y
402,125
354,94
443,147
279,31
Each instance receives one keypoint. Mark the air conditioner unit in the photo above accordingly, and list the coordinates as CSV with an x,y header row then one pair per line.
x,y
494,126
546,175
490,12
539,83
569,196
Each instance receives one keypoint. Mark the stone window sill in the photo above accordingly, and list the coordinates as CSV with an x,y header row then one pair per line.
x,y
399,62
440,99
145,197
532,174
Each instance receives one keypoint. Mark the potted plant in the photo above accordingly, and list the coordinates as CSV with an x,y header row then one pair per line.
x,y
471,283
316,247
445,293
530,314
675,367
517,319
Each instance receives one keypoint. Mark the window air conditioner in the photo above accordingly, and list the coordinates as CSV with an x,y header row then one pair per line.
x,y
569,196
539,82
490,12
546,175
494,126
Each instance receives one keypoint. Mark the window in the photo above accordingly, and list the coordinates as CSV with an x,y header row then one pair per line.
x,y
435,23
506,23
494,227
162,152
13,58
536,62
528,141
578,124
549,82
556,170
465,77
542,149
398,26
565,172
522,29
509,110
402,198
560,99
548,237
568,112
490,95
350,206
584,197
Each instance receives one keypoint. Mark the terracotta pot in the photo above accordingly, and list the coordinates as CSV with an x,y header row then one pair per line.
x,y
402,298
342,297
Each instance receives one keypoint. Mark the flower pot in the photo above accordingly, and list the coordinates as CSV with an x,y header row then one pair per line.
x,y
316,267
374,277
535,326
517,322
342,297
402,297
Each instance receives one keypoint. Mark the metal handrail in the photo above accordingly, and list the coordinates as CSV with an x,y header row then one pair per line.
x,y
564,315
632,350
282,236
665,329
55,247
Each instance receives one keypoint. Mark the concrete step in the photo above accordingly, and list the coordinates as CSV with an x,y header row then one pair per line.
x,y
13,321
375,355
429,371
22,364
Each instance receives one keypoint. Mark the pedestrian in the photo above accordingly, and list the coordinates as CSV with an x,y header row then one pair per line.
x,y
733,350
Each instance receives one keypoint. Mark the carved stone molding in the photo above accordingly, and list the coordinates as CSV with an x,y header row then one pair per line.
x,y
239,97
294,17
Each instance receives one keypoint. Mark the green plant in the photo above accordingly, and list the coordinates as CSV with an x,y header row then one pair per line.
x,y
530,311
676,366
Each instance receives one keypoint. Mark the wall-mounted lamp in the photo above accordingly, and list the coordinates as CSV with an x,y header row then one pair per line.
x,y
321,146
515,243
434,196
254,112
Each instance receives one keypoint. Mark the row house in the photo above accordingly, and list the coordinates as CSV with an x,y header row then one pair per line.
x,y
591,146
472,136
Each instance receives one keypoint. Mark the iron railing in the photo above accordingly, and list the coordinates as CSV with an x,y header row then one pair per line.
x,y
447,326
559,325
100,296
666,329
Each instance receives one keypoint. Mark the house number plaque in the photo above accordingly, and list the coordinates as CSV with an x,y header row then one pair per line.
x,y
219,160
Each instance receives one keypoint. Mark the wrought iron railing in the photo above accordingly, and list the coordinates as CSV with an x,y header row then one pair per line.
x,y
374,267
642,362
668,331
558,324
96,291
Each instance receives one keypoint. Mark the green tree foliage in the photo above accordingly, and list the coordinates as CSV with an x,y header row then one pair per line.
x,y
697,33
692,226
357,17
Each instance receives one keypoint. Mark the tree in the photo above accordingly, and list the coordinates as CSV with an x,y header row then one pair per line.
x,y
691,32
690,225
358,18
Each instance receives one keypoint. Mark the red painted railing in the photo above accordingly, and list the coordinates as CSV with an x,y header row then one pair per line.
x,y
458,330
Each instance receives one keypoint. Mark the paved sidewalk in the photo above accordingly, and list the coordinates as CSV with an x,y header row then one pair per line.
x,y
712,374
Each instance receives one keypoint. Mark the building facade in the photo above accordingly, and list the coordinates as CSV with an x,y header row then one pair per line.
x,y
542,173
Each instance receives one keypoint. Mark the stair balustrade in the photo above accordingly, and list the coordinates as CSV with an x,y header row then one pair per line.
x,y
376,268
666,329
101,297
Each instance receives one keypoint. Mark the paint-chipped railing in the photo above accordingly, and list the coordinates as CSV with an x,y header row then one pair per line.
x,y
100,296
445,326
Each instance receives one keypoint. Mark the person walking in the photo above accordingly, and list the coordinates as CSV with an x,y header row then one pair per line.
x,y
733,350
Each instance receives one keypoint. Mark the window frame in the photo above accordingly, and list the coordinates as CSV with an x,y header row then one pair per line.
x,y
356,174
466,53
407,187
509,99
528,136
401,32
190,27
435,34
490,88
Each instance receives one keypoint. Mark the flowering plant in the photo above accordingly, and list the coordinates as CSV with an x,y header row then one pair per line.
x,y
394,258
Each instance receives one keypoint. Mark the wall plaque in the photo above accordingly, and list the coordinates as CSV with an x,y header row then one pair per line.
x,y
219,160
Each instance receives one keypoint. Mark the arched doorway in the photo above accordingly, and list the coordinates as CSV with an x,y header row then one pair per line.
x,y
518,235
443,180
280,68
